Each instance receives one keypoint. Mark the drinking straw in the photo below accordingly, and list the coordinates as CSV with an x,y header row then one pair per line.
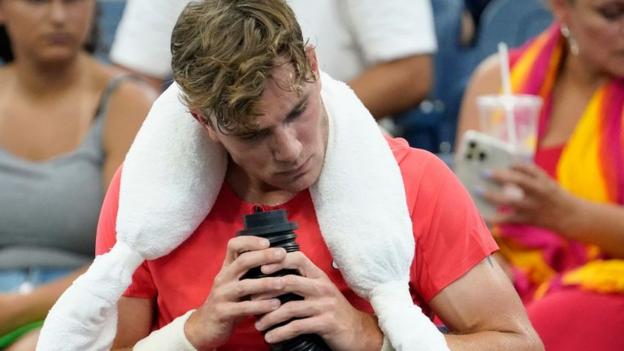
x,y
503,56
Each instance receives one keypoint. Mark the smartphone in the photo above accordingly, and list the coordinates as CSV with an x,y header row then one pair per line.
x,y
478,153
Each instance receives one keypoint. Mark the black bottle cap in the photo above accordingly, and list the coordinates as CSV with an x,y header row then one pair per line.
x,y
261,223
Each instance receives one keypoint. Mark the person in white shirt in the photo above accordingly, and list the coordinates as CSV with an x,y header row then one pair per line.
x,y
382,49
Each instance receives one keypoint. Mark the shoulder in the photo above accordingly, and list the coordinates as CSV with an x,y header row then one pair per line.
x,y
413,162
130,91
486,77
484,81
128,103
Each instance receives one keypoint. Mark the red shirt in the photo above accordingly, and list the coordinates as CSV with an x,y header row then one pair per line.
x,y
450,239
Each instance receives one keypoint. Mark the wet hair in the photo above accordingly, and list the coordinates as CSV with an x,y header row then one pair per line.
x,y
224,52
90,45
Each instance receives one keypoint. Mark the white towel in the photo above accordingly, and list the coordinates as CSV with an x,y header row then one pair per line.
x,y
171,178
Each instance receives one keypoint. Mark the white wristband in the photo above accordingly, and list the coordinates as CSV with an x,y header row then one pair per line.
x,y
170,337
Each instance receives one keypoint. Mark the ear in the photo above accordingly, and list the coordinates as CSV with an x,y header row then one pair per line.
x,y
199,117
561,10
311,54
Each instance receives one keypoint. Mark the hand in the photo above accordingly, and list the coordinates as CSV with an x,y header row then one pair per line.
x,y
212,324
323,311
541,201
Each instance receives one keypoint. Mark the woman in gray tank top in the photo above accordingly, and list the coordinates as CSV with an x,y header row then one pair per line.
x,y
66,122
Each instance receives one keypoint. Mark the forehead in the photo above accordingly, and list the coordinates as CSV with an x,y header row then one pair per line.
x,y
281,94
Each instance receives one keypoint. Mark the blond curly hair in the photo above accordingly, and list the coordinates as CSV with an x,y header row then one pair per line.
x,y
224,51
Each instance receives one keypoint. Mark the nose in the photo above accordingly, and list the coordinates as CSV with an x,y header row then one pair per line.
x,y
58,11
286,146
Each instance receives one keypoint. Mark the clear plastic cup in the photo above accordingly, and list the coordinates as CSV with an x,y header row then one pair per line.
x,y
497,111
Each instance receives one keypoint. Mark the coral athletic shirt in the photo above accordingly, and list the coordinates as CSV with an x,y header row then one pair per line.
x,y
450,236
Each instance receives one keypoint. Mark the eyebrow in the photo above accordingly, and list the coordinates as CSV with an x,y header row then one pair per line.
x,y
296,110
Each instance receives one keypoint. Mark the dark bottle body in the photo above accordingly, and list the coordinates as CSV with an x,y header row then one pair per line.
x,y
274,226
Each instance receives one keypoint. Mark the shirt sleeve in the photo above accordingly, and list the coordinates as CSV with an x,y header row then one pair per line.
x,y
388,30
142,283
451,237
143,37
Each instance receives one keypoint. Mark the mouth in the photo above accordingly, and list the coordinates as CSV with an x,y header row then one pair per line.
x,y
295,171
58,38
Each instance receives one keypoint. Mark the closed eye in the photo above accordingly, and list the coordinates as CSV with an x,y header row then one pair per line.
x,y
296,113
612,12
254,136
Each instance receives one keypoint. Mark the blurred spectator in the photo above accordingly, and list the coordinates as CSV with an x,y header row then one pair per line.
x,y
66,122
382,49
474,8
563,240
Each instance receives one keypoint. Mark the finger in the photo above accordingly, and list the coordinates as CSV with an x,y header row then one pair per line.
x,y
232,310
286,312
500,198
529,169
308,287
526,182
509,217
251,259
295,260
236,290
295,328
240,244
266,295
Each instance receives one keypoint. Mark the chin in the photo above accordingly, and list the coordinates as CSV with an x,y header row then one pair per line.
x,y
299,184
55,55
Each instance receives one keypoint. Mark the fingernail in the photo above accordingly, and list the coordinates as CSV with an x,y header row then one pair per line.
x,y
265,243
275,304
269,338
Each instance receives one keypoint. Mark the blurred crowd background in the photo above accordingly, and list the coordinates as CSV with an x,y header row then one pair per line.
x,y
57,169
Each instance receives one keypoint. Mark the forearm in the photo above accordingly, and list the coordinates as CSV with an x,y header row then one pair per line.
x,y
492,340
598,224
392,87
34,306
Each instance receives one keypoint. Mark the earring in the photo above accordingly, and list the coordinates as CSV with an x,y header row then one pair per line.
x,y
572,43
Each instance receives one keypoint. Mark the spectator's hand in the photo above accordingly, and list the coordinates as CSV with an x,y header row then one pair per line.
x,y
212,324
323,311
540,200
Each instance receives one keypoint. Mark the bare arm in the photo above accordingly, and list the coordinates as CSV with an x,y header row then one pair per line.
x,y
21,309
134,322
484,81
598,224
394,86
490,318
128,108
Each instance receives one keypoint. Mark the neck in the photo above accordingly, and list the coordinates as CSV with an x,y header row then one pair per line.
x,y
42,80
581,74
253,191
